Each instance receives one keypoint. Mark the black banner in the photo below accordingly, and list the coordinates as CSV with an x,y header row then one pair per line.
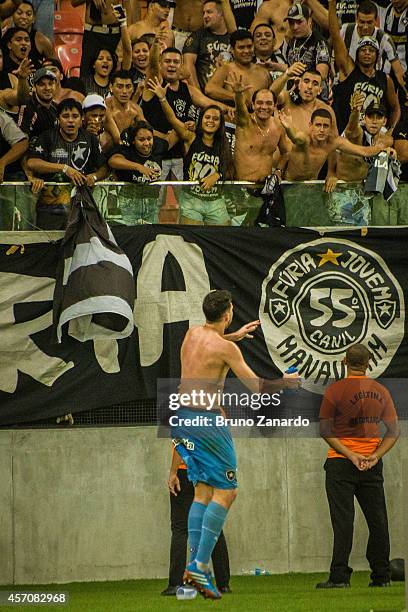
x,y
316,294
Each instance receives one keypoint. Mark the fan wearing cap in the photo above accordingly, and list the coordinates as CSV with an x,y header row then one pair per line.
x,y
98,121
354,169
307,46
154,23
366,19
371,130
40,112
67,153
61,93
360,75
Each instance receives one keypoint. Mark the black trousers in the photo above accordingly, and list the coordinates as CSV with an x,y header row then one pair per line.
x,y
179,509
344,482
92,43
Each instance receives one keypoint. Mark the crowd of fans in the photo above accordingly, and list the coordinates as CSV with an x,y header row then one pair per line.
x,y
207,91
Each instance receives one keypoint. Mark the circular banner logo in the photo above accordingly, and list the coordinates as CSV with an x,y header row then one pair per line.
x,y
323,296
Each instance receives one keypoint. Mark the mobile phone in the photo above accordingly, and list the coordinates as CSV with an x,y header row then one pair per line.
x,y
119,8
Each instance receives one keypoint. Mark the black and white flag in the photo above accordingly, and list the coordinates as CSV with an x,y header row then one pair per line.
x,y
94,290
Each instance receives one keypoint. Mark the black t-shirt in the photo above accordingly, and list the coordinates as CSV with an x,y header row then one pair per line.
x,y
373,87
312,50
244,12
201,161
5,82
183,107
34,118
83,154
230,129
207,47
35,56
91,86
401,133
154,160
137,75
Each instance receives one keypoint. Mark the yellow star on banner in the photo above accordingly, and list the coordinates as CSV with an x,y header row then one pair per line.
x,y
330,257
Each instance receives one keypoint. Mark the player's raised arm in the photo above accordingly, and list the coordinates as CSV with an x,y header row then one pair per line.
x,y
243,332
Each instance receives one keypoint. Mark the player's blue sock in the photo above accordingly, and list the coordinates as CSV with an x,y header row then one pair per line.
x,y
213,521
195,521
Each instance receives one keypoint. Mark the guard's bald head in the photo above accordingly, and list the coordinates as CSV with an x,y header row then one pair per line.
x,y
357,357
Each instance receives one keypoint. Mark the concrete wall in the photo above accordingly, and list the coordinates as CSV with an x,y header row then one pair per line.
x,y
92,504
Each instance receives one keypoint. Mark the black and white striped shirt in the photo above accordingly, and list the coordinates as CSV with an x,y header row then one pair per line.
x,y
397,28
388,52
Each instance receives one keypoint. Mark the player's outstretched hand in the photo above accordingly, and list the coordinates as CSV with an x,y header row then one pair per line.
x,y
173,484
291,381
245,331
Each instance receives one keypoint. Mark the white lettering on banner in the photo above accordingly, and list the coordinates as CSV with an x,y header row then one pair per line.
x,y
321,297
153,307
18,352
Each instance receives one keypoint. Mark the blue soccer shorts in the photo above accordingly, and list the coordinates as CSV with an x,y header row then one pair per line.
x,y
207,448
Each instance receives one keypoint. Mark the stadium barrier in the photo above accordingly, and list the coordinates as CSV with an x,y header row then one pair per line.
x,y
235,203
92,504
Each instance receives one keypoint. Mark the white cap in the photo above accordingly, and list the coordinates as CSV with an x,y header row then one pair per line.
x,y
93,100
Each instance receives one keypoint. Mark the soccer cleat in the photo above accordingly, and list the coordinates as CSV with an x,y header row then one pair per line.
x,y
375,583
200,581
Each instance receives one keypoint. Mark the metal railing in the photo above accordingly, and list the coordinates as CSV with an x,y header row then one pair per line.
x,y
232,203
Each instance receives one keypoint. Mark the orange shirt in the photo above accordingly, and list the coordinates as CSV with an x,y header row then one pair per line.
x,y
357,405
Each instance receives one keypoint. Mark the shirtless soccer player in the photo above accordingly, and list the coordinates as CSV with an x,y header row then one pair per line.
x,y
207,354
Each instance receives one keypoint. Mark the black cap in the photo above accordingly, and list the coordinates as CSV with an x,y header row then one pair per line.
x,y
376,107
43,73
297,12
